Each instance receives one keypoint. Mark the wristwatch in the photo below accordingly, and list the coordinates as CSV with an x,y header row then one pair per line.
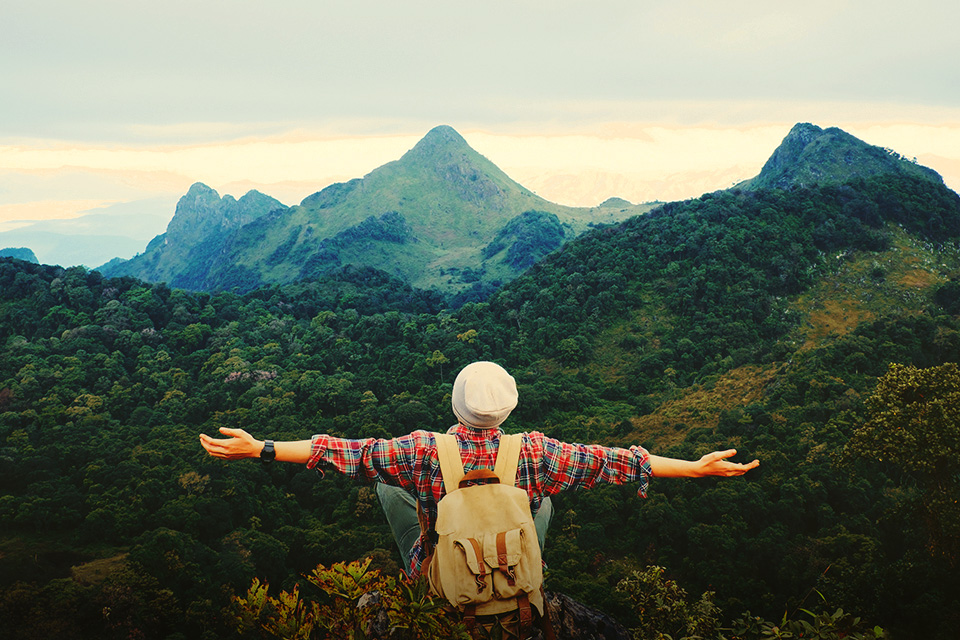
x,y
267,454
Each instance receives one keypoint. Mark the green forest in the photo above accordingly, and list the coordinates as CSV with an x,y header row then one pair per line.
x,y
689,329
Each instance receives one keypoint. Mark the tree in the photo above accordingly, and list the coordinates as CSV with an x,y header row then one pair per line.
x,y
663,610
913,422
437,358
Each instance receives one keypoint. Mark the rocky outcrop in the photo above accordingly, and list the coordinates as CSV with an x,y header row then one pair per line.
x,y
575,621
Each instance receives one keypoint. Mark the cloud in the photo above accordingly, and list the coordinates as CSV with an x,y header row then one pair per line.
x,y
571,162
111,70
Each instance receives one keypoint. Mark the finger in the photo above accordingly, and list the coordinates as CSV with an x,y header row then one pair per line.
x,y
740,469
212,447
207,442
718,456
236,433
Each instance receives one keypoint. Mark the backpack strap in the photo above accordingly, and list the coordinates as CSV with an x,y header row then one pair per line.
x,y
508,459
451,466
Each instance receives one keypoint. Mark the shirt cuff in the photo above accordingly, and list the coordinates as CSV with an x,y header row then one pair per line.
x,y
645,471
318,448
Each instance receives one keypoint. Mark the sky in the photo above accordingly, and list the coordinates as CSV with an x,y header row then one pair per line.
x,y
109,103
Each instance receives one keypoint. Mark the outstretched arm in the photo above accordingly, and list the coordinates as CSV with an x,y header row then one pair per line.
x,y
239,444
712,464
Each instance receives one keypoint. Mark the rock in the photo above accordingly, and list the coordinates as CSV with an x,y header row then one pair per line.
x,y
571,620
380,624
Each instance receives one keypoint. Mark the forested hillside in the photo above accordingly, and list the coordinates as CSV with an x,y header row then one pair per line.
x,y
760,319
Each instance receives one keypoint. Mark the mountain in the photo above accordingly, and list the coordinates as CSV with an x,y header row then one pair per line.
x,y
428,218
20,253
615,202
810,155
202,223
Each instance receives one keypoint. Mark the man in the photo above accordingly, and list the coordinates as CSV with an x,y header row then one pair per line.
x,y
408,471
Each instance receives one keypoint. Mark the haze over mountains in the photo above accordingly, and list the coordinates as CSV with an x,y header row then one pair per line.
x,y
120,229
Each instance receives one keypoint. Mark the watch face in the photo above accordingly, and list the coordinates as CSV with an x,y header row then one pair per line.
x,y
267,454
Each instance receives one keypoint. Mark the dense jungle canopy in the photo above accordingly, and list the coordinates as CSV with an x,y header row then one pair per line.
x,y
698,326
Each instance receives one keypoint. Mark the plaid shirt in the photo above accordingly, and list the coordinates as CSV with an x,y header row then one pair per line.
x,y
547,466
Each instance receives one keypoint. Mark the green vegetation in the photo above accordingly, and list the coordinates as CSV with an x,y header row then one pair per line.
x,y
681,330
347,604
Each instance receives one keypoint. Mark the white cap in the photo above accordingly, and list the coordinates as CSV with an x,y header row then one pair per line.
x,y
484,394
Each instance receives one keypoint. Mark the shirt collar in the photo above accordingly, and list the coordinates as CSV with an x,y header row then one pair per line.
x,y
475,434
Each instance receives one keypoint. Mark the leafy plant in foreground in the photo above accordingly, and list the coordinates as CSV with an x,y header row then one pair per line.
x,y
355,599
665,613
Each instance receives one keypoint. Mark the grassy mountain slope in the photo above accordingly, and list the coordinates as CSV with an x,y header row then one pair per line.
x,y
856,288
453,201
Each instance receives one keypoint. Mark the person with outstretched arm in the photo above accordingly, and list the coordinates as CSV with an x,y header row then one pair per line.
x,y
407,471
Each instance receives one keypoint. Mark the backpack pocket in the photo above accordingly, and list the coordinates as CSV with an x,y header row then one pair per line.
x,y
496,566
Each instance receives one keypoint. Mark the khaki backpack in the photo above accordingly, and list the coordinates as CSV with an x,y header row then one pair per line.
x,y
486,561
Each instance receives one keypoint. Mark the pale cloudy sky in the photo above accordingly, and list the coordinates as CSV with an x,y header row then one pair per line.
x,y
114,101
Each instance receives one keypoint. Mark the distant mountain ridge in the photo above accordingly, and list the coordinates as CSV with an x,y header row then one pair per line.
x,y
95,236
440,217
428,218
20,253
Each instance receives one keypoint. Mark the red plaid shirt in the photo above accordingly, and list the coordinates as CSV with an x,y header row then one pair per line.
x,y
547,466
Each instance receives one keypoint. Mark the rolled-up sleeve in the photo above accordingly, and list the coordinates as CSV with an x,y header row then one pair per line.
x,y
580,466
390,461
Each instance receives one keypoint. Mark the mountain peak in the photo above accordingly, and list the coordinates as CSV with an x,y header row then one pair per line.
x,y
440,140
442,159
810,155
444,132
805,130
198,188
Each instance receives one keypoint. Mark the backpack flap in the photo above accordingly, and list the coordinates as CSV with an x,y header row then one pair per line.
x,y
502,557
473,556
